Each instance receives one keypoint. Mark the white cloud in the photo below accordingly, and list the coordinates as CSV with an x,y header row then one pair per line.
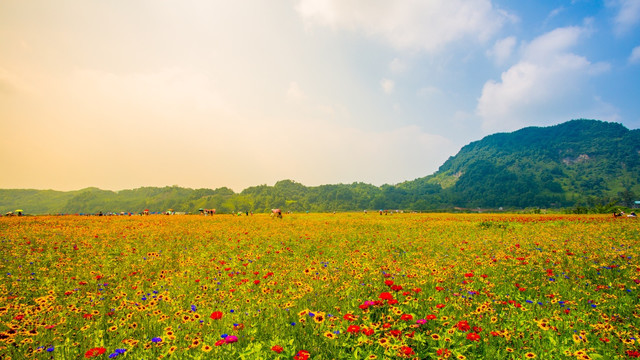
x,y
628,14
387,85
543,87
634,58
502,50
294,93
411,24
555,12
557,41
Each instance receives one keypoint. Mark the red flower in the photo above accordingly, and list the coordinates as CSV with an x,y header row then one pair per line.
x,y
468,275
463,325
407,350
477,329
444,352
368,332
388,282
392,302
256,282
395,333
431,317
349,317
439,288
417,290
302,355
440,306
216,315
406,317
94,352
473,336
633,353
385,296
353,329
277,348
219,342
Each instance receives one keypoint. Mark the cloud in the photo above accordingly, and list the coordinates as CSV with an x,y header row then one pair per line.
x,y
502,50
628,14
412,24
555,12
634,58
543,87
387,85
294,93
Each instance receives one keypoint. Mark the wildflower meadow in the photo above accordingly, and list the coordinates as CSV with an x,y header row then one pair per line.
x,y
320,286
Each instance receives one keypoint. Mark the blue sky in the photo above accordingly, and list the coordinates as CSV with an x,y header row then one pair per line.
x,y
123,94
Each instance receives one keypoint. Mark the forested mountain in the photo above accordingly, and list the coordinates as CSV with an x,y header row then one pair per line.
x,y
577,163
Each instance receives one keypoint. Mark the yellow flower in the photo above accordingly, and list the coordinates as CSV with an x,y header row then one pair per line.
x,y
330,335
319,318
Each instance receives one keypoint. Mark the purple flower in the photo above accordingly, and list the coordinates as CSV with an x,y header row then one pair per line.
x,y
231,339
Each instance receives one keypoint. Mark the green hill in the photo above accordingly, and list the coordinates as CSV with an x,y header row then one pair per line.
x,y
577,163
562,165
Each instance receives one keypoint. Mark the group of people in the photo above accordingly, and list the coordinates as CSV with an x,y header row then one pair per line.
x,y
621,213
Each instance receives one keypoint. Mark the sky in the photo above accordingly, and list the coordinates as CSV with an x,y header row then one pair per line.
x,y
205,94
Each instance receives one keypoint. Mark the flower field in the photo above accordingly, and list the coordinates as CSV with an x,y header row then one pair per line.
x,y
320,286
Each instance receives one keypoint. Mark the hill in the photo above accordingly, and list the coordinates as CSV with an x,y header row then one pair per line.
x,y
576,163
573,163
